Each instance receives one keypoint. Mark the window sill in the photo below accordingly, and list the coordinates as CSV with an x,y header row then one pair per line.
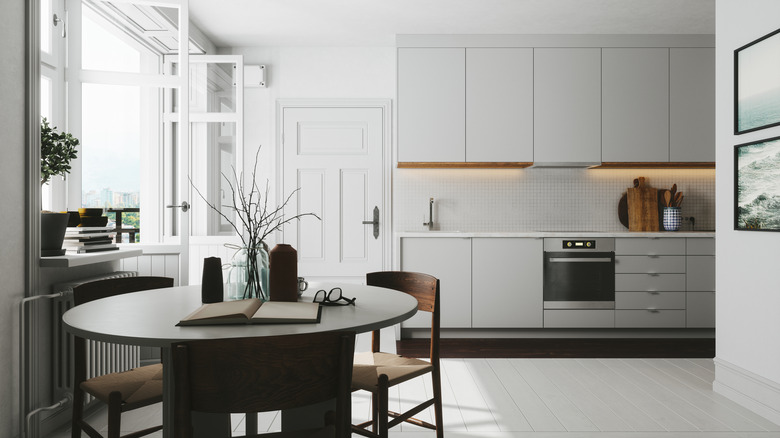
x,y
72,260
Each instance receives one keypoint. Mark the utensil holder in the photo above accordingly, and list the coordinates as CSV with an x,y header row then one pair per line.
x,y
672,218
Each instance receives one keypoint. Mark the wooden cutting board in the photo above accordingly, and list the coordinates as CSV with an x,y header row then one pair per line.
x,y
642,208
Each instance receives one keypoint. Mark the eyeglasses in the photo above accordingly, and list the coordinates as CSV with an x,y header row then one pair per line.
x,y
332,298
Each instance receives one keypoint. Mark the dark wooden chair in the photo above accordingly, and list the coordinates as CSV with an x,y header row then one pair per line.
x,y
376,372
250,375
123,391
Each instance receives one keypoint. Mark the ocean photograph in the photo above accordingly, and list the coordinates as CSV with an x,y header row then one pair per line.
x,y
758,185
758,84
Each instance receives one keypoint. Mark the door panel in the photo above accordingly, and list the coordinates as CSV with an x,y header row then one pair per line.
x,y
334,156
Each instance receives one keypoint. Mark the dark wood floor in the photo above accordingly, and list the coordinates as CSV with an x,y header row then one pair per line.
x,y
562,348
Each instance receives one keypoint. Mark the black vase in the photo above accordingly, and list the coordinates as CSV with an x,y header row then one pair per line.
x,y
211,286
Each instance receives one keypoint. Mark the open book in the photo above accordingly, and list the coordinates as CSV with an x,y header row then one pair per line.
x,y
253,311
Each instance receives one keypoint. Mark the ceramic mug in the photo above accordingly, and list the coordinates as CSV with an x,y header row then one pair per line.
x,y
302,285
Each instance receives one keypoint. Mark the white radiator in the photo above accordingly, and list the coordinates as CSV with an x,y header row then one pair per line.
x,y
102,357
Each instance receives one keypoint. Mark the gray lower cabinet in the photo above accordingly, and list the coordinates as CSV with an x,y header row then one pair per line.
x,y
700,284
506,283
649,283
579,318
449,260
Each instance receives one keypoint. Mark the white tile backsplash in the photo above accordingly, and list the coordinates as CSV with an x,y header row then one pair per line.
x,y
483,200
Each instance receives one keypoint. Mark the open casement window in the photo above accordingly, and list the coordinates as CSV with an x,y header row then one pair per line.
x,y
216,114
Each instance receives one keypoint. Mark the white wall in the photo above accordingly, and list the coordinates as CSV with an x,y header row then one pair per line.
x,y
12,215
748,297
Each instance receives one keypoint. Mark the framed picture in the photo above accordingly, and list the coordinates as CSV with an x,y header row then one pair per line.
x,y
757,185
757,84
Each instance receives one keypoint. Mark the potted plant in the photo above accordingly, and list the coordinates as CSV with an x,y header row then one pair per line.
x,y
58,149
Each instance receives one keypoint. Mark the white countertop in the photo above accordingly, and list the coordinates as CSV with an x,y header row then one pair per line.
x,y
564,234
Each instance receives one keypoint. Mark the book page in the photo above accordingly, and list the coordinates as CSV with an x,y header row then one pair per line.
x,y
283,311
225,309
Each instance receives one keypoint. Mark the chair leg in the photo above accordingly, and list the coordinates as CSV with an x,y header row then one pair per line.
x,y
114,414
375,412
382,406
436,378
78,412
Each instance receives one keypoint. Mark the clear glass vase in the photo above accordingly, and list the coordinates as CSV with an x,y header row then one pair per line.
x,y
248,274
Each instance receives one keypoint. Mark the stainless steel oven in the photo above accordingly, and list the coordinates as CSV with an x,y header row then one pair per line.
x,y
579,273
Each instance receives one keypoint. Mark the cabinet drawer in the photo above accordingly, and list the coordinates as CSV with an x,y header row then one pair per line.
x,y
649,264
647,246
579,318
650,282
700,246
649,300
649,319
700,309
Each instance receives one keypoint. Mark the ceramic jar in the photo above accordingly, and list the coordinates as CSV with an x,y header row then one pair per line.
x,y
283,281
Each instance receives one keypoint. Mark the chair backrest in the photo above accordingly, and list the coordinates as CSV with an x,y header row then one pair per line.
x,y
263,374
424,287
94,290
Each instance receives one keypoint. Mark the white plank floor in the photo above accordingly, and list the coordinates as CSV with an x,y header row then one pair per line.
x,y
551,398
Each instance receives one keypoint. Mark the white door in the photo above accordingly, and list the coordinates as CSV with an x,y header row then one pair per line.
x,y
334,155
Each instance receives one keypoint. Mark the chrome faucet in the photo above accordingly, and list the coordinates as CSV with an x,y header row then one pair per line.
x,y
429,224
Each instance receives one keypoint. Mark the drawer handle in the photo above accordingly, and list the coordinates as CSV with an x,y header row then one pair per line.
x,y
653,310
653,274
653,292
653,256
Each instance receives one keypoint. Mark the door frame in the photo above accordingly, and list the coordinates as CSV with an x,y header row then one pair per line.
x,y
386,216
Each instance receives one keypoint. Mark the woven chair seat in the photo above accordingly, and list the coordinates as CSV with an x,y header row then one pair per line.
x,y
369,366
138,386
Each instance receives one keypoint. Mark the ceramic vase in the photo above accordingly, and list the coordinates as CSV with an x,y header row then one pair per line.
x,y
211,285
283,280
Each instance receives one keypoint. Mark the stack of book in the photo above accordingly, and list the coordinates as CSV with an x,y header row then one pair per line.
x,y
82,240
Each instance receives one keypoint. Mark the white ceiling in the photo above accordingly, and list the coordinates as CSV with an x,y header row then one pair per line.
x,y
251,23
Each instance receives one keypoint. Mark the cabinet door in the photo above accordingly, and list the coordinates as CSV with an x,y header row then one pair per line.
x,y
692,104
431,105
506,283
567,105
701,273
635,111
449,260
499,105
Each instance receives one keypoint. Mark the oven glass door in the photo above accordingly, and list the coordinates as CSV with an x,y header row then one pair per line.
x,y
574,279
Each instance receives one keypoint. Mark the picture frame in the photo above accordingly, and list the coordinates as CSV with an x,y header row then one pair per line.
x,y
757,84
757,185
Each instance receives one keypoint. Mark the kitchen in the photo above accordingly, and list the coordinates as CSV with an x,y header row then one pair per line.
x,y
559,200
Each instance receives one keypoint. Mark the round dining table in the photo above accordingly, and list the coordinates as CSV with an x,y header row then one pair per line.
x,y
149,318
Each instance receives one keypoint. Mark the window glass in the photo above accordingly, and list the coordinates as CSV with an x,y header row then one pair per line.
x,y
104,50
46,25
213,154
111,145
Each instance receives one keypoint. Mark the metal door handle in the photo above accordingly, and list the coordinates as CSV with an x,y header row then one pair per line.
x,y
374,222
185,207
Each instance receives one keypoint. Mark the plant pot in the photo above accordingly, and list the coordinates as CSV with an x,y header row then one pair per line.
x,y
53,227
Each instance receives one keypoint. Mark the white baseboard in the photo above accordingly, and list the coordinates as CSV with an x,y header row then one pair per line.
x,y
750,390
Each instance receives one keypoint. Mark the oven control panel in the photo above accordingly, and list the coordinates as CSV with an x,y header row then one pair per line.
x,y
579,244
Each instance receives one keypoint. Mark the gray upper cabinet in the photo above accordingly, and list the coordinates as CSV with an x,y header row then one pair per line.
x,y
499,105
635,105
692,104
431,104
567,105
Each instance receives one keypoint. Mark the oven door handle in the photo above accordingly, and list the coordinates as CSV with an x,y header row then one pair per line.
x,y
580,260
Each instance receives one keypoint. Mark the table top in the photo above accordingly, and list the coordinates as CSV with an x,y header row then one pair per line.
x,y
148,318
